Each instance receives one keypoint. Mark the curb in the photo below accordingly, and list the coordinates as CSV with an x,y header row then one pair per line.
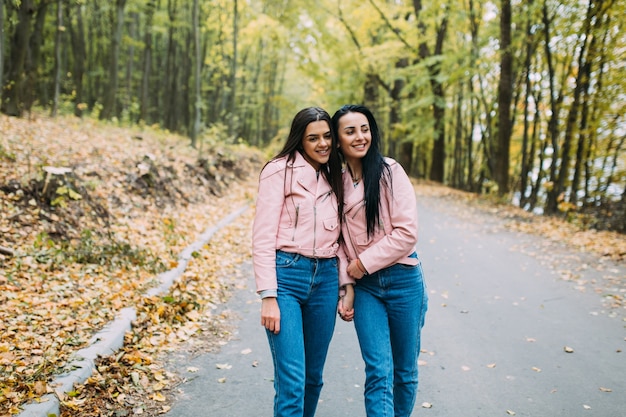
x,y
111,337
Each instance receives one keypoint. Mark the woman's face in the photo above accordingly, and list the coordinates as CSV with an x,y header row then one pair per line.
x,y
355,136
316,143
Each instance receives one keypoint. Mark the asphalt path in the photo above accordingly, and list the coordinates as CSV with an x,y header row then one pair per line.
x,y
517,325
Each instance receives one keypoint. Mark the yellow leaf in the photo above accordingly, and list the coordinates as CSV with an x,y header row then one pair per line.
x,y
157,396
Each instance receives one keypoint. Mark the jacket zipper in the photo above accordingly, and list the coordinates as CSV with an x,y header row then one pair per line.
x,y
314,229
295,225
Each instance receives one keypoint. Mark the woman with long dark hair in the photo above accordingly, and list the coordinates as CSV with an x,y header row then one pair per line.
x,y
295,242
379,234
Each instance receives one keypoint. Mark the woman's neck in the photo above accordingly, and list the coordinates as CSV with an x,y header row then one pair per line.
x,y
356,169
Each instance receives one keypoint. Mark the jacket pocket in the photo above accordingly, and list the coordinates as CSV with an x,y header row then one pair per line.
x,y
363,239
331,223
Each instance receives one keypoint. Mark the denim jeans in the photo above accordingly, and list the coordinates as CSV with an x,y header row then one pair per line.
x,y
389,310
307,298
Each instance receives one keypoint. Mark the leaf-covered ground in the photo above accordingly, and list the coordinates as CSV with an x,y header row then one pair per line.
x,y
91,213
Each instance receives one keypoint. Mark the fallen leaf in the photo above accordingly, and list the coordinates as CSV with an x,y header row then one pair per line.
x,y
192,369
223,366
157,396
427,405
534,368
491,365
568,349
606,389
510,412
246,351
221,380
586,407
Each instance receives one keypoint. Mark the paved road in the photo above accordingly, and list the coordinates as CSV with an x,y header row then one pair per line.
x,y
501,315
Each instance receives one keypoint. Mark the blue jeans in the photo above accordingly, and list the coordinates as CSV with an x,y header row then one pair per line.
x,y
307,298
389,310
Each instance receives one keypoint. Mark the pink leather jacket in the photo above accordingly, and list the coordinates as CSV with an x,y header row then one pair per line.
x,y
396,237
295,212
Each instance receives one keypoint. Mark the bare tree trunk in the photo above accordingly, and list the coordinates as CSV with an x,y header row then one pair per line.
x,y
169,77
109,104
437,168
505,94
233,76
553,123
130,67
57,59
13,98
527,157
1,48
79,53
195,130
147,61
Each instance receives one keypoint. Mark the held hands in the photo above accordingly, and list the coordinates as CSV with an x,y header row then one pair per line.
x,y
345,306
270,314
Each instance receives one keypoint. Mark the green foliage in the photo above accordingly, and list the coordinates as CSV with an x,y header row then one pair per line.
x,y
91,248
385,54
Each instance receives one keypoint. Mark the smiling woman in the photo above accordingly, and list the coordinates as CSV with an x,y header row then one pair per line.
x,y
316,143
295,244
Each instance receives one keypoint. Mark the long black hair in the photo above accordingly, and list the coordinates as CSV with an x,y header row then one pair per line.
x,y
330,170
375,169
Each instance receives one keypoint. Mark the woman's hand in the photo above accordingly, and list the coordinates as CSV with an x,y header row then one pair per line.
x,y
345,306
270,314
355,269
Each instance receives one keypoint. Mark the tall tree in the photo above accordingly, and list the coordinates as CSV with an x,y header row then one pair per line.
x,y
197,73
79,55
144,99
110,94
505,94
57,58
437,167
1,47
14,91
233,75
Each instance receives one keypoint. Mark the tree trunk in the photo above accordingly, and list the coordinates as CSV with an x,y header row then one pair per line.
x,y
527,157
37,89
130,66
109,104
1,48
437,168
79,52
505,93
169,77
57,59
147,61
195,130
233,77
13,98
553,123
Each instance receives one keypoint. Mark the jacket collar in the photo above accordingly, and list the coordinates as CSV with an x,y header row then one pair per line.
x,y
305,175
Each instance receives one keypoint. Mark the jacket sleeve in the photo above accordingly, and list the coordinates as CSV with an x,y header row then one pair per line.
x,y
269,204
401,207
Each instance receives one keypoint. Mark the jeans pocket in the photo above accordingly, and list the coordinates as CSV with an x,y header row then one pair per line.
x,y
286,259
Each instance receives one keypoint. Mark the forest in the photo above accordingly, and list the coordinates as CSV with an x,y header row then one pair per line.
x,y
523,99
